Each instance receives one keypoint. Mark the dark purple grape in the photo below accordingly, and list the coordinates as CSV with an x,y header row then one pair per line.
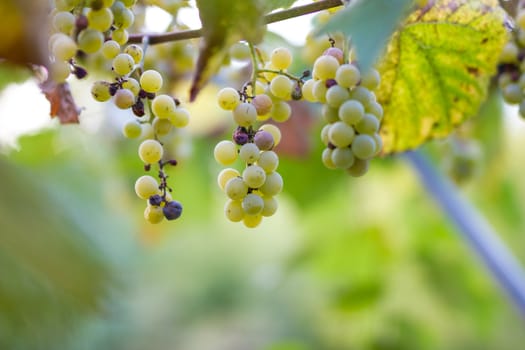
x,y
172,210
156,200
241,136
138,108
330,82
113,88
297,93
79,72
264,140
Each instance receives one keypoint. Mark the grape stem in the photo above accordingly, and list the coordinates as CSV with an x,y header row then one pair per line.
x,y
269,18
476,231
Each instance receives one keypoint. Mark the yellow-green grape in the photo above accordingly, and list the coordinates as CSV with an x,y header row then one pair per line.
x,y
325,67
342,158
64,22
63,5
100,20
260,88
225,175
121,36
376,109
162,127
123,64
245,114
268,161
252,221
324,134
274,130
379,143
163,106
225,152
347,75
364,146
132,85
269,75
124,99
326,158
249,153
100,91
281,58
520,19
281,111
131,129
233,210
236,189
252,204
134,51
180,117
263,104
319,90
336,96
153,214
254,176
512,93
341,134
150,151
123,19
90,40
146,186
59,71
281,87
330,114
151,81
228,98
273,184
147,131
351,112
509,53
368,125
370,79
63,48
359,168
270,206
308,90
240,51
128,3
362,95
110,49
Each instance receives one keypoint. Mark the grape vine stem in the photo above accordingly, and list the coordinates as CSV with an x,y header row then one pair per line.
x,y
269,18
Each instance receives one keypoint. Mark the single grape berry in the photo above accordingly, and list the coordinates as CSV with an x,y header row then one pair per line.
x,y
240,136
156,200
172,210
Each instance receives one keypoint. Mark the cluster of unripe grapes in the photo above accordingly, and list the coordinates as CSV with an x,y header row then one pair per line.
x,y
350,108
512,66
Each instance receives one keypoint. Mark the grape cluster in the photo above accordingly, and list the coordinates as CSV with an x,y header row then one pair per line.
x,y
353,115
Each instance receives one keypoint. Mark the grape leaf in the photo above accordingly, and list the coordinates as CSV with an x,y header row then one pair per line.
x,y
223,23
369,23
437,68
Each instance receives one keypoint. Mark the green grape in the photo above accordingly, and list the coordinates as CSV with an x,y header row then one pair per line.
x,y
64,48
281,111
163,106
341,134
342,158
59,71
370,79
228,98
347,75
263,104
64,22
240,51
254,176
121,36
281,87
359,168
376,109
273,184
274,130
153,214
132,85
128,3
252,221
379,143
236,189
520,19
363,95
244,114
325,67
330,114
252,204
324,134
100,20
225,152
281,58
90,40
364,146
162,127
509,53
135,51
123,18
124,99
150,80
320,90
269,75
270,206
110,49
249,153
368,125
147,132
268,160
351,112
123,64
150,151
512,93
131,129
326,158
225,175
308,90
233,210
100,91
336,96
180,118
146,186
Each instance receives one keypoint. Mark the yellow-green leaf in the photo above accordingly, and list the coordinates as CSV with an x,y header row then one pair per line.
x,y
436,70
